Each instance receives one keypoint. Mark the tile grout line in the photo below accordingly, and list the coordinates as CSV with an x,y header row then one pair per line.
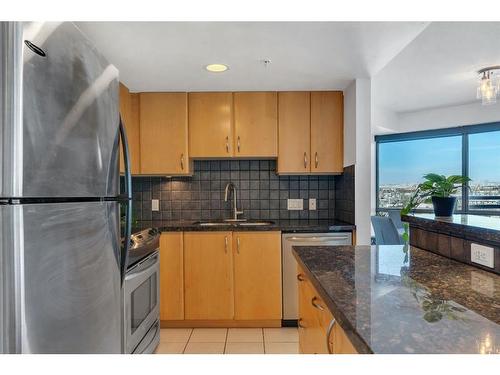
x,y
263,341
187,342
225,342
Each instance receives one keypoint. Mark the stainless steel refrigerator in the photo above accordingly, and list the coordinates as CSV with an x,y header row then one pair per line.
x,y
61,254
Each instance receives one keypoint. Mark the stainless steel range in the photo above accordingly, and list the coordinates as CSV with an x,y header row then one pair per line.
x,y
141,294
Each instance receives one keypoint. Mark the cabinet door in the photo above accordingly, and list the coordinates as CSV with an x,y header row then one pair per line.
x,y
171,276
294,132
164,137
129,112
312,339
256,124
341,343
257,275
210,124
327,132
208,276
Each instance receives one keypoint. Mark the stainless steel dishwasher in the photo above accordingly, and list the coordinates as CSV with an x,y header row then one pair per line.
x,y
290,283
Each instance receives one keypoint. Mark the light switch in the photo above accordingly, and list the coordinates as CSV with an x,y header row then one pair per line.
x,y
155,205
312,204
482,255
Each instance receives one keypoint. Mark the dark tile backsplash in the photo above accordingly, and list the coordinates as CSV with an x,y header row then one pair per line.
x,y
344,195
261,193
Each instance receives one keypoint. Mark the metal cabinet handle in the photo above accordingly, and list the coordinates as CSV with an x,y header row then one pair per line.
x,y
299,323
225,244
305,160
227,144
238,143
301,277
316,161
182,161
238,245
328,333
315,304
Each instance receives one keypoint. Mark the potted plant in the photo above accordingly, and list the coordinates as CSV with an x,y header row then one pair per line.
x,y
439,190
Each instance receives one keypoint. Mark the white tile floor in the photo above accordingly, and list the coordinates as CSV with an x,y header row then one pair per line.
x,y
228,341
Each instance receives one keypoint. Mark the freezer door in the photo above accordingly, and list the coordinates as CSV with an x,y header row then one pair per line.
x,y
66,139
68,293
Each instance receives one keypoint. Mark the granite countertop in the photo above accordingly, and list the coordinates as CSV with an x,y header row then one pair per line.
x,y
397,299
486,227
281,225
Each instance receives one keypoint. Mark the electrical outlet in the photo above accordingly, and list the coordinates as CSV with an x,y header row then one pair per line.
x,y
482,255
312,204
155,205
295,204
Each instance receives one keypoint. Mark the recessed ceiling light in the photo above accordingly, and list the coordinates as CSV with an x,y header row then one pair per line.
x,y
216,68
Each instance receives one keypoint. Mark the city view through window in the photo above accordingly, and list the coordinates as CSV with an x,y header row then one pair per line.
x,y
401,165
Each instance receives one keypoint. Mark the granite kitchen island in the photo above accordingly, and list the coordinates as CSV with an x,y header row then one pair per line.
x,y
402,299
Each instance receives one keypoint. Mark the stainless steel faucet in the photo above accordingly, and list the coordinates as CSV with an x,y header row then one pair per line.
x,y
230,185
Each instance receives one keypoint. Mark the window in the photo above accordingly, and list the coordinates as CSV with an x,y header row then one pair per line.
x,y
474,151
402,165
484,170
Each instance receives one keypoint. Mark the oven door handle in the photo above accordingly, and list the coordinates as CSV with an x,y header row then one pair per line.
x,y
142,267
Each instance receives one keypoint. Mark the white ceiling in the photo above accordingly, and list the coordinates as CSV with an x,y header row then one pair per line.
x,y
438,68
170,56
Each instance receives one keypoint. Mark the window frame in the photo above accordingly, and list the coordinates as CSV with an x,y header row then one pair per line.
x,y
463,131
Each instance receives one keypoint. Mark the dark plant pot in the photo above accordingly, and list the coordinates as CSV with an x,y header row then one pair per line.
x,y
444,206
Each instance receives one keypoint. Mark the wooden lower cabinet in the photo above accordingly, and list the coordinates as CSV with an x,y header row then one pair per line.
x,y
257,275
208,276
315,335
171,276
220,279
312,339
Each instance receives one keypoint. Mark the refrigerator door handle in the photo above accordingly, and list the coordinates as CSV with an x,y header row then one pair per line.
x,y
128,201
126,161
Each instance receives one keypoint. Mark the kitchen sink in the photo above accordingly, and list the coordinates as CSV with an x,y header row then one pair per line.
x,y
255,223
212,223
233,223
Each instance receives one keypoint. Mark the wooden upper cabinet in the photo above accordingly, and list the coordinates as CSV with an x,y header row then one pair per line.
x,y
171,276
164,133
257,275
327,132
208,276
255,124
129,112
294,132
211,124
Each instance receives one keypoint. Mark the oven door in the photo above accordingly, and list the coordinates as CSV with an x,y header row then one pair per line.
x,y
141,300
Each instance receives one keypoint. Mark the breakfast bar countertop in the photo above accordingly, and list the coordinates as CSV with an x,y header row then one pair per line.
x,y
401,299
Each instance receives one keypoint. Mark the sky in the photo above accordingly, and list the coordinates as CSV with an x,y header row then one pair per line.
x,y
406,162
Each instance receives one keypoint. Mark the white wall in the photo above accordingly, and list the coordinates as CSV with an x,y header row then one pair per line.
x,y
447,117
385,121
357,151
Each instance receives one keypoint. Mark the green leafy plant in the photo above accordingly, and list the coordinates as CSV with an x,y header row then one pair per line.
x,y
441,186
435,185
